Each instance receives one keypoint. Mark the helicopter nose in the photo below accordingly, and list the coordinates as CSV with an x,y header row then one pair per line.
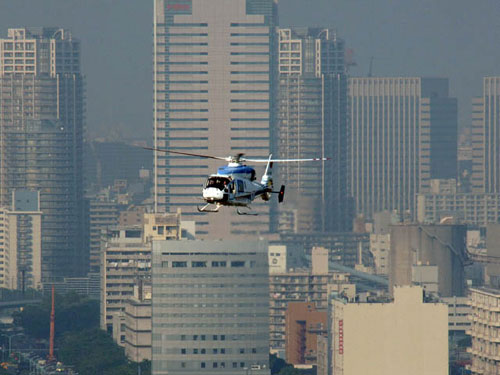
x,y
213,194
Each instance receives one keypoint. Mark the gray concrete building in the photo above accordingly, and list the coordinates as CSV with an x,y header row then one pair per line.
x,y
485,138
432,256
210,308
41,122
312,122
403,133
213,69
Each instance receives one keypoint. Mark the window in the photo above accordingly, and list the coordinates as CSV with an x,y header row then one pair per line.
x,y
242,351
214,365
223,337
203,338
198,264
203,365
183,337
237,263
195,337
235,364
183,351
254,350
203,351
215,337
195,351
183,364
219,264
222,351
242,364
179,264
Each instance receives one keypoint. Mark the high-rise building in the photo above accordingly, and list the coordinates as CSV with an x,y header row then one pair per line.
x,y
485,138
210,308
403,133
41,123
312,122
213,94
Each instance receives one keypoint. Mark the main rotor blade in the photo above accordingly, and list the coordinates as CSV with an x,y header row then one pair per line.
x,y
283,160
186,153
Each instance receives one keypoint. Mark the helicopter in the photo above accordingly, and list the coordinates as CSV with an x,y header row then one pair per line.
x,y
235,184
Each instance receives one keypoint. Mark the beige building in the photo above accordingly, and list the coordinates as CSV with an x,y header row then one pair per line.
x,y
20,242
380,247
125,260
406,336
138,324
484,331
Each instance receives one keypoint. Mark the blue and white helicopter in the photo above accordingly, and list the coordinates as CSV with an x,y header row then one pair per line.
x,y
235,184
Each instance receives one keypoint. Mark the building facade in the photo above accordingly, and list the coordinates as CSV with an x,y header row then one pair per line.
x,y
403,133
301,286
41,122
485,348
21,242
126,262
303,325
213,94
414,334
312,122
210,307
485,138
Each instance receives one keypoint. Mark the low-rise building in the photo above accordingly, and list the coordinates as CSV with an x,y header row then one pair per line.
x,y
301,286
406,336
126,259
138,323
303,324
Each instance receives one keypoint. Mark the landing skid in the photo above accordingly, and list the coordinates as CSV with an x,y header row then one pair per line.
x,y
246,213
206,209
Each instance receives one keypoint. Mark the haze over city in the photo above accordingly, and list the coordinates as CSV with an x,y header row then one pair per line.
x,y
249,187
452,38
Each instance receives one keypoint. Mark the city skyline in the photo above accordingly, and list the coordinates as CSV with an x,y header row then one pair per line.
x,y
412,27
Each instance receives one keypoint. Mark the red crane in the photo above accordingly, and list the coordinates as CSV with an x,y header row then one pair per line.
x,y
51,357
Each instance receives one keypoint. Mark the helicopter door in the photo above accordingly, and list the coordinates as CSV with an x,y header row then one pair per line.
x,y
241,187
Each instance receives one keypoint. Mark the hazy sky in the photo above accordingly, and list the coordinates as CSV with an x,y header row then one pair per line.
x,y
458,39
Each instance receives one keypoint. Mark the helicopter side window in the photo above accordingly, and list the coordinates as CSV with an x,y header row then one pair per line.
x,y
241,186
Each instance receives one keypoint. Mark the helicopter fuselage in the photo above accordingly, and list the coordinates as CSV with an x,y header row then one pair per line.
x,y
234,185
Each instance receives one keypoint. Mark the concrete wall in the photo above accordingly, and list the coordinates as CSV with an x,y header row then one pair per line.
x,y
439,245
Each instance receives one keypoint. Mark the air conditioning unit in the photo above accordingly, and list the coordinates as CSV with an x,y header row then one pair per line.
x,y
255,367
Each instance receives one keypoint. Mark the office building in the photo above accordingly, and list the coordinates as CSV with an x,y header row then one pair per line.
x,y
302,285
407,336
210,307
42,119
485,143
20,242
433,256
312,122
101,213
403,133
478,209
126,260
484,317
303,325
213,94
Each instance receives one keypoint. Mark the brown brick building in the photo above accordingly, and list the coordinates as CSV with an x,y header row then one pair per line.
x,y
303,324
